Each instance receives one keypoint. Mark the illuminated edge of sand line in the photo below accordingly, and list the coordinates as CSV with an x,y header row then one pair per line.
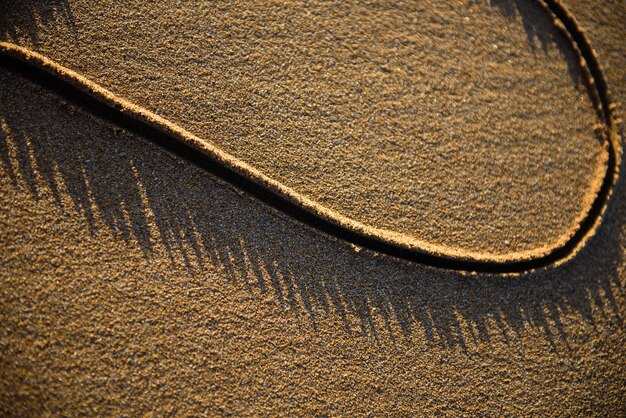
x,y
100,101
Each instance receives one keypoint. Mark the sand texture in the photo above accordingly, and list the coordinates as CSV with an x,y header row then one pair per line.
x,y
134,282
459,129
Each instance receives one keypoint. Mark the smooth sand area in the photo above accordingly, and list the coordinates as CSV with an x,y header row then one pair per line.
x,y
463,125
132,282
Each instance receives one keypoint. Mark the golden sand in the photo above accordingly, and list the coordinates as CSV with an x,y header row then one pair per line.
x,y
452,128
135,282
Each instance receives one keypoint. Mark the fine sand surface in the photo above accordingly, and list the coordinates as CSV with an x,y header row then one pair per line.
x,y
132,281
463,125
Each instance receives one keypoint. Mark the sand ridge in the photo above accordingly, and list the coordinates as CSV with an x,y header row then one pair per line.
x,y
123,293
313,213
433,119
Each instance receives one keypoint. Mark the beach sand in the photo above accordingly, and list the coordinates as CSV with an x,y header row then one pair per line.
x,y
134,282
463,125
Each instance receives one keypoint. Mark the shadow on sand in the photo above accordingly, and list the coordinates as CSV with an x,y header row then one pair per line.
x,y
26,19
151,198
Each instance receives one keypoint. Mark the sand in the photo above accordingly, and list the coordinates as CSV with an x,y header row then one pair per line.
x,y
133,282
368,111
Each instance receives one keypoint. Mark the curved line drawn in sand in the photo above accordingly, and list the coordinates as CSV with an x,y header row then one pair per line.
x,y
209,157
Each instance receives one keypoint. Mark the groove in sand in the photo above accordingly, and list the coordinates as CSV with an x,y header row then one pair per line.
x,y
206,155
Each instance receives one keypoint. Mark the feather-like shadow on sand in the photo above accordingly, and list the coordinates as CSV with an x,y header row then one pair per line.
x,y
106,105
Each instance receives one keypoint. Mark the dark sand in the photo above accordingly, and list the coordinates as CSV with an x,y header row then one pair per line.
x,y
132,282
